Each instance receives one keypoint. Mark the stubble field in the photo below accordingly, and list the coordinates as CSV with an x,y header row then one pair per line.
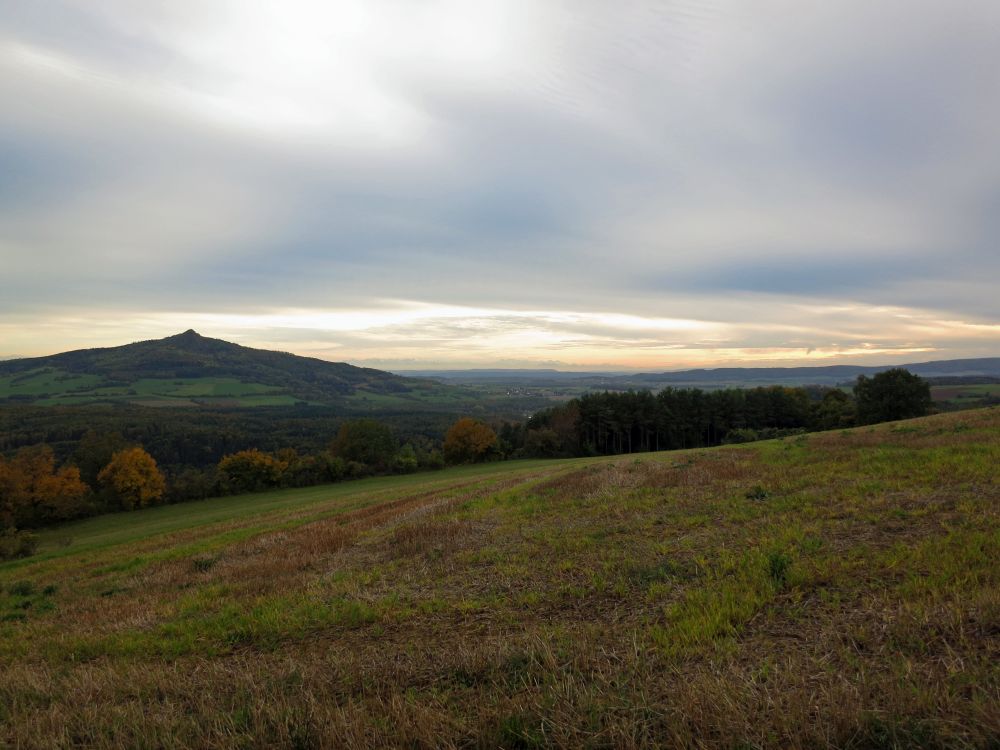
x,y
831,590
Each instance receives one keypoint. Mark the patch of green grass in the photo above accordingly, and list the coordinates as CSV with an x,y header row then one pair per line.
x,y
778,564
51,386
22,588
207,627
122,528
712,614
45,381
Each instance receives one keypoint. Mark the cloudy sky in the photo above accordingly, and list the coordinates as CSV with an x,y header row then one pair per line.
x,y
578,183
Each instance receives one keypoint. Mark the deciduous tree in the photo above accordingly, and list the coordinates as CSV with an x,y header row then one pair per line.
x,y
890,395
250,470
469,440
34,492
133,479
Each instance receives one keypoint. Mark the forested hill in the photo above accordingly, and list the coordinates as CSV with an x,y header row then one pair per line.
x,y
190,368
828,375
986,369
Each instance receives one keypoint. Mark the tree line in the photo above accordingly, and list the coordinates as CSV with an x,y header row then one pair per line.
x,y
106,473
636,421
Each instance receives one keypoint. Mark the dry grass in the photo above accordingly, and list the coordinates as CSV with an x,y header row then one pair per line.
x,y
835,590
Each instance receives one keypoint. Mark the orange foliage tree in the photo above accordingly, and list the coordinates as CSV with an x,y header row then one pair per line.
x,y
133,478
34,492
469,440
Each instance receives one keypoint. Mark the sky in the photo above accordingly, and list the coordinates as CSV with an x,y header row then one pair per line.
x,y
577,184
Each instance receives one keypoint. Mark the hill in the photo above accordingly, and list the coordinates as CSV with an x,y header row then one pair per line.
x,y
827,375
986,368
830,590
189,370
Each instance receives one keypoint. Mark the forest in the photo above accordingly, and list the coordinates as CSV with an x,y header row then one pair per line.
x,y
676,418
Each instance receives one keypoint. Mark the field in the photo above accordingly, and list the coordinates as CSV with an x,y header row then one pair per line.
x,y
830,590
48,386
959,396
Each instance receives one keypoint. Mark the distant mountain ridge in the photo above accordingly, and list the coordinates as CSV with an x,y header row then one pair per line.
x,y
193,370
988,367
157,364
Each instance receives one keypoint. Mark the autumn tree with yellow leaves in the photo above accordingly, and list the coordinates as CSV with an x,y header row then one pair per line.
x,y
34,492
133,479
469,440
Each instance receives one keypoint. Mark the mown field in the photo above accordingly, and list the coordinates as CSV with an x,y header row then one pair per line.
x,y
830,590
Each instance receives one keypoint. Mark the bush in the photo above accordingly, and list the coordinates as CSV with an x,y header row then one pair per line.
x,y
406,460
740,435
22,588
336,468
15,544
432,460
358,470
303,471
251,470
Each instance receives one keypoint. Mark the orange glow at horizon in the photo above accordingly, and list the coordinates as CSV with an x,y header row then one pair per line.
x,y
411,335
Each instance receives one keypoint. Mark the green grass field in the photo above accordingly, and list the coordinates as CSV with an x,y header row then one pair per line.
x,y
830,590
46,380
51,386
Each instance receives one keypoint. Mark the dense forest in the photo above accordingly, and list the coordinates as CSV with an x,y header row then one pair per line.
x,y
198,438
675,418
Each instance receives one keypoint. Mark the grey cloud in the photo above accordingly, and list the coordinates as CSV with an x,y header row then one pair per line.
x,y
85,31
824,276
657,159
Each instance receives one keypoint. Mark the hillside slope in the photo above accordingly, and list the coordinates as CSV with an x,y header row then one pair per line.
x,y
189,368
831,590
825,375
985,368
